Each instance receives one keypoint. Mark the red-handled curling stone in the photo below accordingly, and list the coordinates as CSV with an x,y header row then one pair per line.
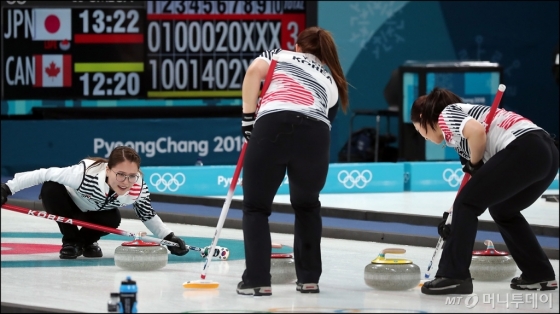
x,y
282,268
492,265
140,255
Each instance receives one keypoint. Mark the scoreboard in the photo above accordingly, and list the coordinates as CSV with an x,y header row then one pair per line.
x,y
203,48
79,50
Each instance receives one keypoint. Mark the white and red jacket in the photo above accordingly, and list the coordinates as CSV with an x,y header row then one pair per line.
x,y
90,192
506,127
299,83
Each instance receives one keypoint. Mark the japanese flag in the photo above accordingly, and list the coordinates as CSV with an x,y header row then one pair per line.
x,y
53,70
52,24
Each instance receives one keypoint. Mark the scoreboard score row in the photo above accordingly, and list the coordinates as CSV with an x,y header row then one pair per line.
x,y
139,49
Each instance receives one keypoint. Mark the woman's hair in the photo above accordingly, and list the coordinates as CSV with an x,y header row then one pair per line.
x,y
320,43
118,155
427,108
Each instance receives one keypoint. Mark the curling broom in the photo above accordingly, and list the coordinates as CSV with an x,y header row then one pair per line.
x,y
207,284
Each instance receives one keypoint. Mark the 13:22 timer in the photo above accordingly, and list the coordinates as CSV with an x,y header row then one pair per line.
x,y
121,21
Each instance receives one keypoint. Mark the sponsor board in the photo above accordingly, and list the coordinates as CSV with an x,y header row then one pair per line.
x,y
438,176
216,180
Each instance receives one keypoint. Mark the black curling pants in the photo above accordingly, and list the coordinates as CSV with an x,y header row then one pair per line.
x,y
56,201
509,182
293,144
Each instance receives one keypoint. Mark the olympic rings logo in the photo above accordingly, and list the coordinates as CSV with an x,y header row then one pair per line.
x,y
453,177
406,177
167,181
355,178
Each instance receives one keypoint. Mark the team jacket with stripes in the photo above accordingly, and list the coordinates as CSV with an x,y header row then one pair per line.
x,y
504,128
299,83
89,191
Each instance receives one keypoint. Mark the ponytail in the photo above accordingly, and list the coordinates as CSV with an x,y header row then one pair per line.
x,y
329,55
320,43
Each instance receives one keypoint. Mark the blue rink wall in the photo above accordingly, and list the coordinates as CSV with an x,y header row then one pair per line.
x,y
342,178
168,148
33,144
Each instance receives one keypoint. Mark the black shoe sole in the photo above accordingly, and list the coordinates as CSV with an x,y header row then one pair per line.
x,y
70,256
463,288
253,292
308,291
542,286
299,288
96,255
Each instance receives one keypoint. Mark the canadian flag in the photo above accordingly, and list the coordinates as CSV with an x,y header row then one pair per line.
x,y
52,24
53,70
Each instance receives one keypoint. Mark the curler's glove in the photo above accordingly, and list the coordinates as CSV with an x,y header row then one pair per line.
x,y
443,229
5,192
472,169
176,250
247,123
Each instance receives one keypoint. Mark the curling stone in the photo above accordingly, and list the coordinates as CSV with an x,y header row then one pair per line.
x,y
492,265
282,268
393,273
140,255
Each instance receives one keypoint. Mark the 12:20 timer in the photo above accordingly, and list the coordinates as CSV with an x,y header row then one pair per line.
x,y
113,84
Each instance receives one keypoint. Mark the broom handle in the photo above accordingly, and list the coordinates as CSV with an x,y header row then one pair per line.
x,y
76,222
233,184
225,209
85,224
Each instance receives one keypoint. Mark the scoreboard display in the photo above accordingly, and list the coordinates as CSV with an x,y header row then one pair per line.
x,y
139,49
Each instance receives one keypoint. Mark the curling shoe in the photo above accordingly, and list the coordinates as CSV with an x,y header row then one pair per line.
x,y
70,251
307,287
520,283
92,250
442,285
243,289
